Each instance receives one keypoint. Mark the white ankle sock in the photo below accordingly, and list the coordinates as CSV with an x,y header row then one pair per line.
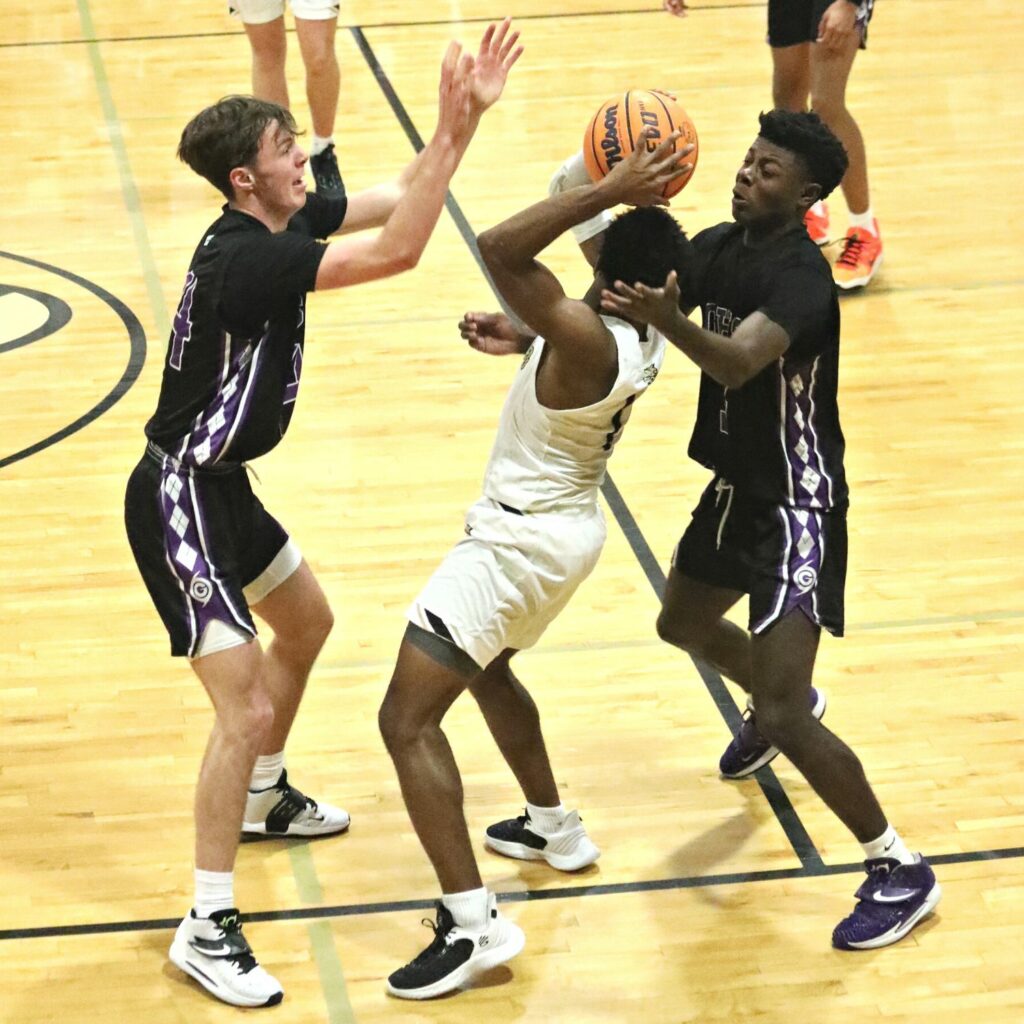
x,y
865,221
547,819
215,890
317,145
266,771
468,908
890,846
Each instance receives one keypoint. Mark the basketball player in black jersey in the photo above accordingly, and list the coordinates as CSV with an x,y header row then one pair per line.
x,y
772,523
208,551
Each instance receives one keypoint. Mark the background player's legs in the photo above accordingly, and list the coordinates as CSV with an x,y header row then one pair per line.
x,y
791,76
298,613
829,73
514,721
316,40
269,48
691,618
418,697
323,77
234,679
782,664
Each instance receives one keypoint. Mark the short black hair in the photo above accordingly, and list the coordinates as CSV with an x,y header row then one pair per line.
x,y
806,135
643,245
227,135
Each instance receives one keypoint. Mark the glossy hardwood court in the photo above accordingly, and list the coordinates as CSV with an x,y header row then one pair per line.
x,y
711,902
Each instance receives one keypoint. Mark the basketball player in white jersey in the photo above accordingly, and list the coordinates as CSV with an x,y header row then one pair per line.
x,y
531,540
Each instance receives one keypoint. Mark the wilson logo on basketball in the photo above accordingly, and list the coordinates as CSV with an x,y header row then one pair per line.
x,y
610,142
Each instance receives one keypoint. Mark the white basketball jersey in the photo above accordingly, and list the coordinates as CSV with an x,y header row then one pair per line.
x,y
545,460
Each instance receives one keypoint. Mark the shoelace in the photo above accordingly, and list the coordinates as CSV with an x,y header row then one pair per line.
x,y
441,938
852,249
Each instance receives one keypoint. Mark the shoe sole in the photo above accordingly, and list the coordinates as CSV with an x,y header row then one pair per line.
x,y
818,711
472,968
860,282
181,961
583,857
900,931
259,828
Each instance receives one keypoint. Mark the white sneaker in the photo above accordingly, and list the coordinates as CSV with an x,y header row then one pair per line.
x,y
457,954
568,849
213,950
283,811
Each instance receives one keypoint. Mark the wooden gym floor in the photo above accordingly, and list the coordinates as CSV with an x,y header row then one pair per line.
x,y
713,901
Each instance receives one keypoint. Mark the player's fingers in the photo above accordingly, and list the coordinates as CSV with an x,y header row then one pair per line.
x,y
488,40
516,54
509,45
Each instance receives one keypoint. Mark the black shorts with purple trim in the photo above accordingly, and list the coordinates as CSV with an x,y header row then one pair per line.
x,y
791,22
199,536
783,557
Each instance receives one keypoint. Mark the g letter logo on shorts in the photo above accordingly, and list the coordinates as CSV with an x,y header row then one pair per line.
x,y
201,589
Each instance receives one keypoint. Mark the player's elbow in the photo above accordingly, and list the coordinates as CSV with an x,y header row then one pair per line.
x,y
489,244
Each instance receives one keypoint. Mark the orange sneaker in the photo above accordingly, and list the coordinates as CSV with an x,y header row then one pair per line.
x,y
817,224
860,258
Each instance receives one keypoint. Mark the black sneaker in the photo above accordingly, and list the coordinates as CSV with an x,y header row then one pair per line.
x,y
282,810
326,174
457,954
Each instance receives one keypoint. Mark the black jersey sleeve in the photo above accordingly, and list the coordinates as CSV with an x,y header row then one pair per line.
x,y
263,273
802,302
320,217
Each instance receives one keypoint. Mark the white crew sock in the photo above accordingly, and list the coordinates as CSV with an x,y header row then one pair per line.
x,y
864,221
215,890
889,846
468,908
266,772
317,144
547,819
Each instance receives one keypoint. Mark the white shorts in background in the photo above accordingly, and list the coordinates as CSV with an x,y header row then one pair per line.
x,y
259,12
507,580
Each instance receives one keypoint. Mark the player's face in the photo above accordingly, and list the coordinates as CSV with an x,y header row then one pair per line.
x,y
769,185
280,171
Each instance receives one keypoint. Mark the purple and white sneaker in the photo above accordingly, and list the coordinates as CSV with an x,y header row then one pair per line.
x,y
892,899
749,750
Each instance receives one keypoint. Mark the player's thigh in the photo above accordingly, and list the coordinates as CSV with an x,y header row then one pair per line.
x,y
791,76
297,606
829,75
782,661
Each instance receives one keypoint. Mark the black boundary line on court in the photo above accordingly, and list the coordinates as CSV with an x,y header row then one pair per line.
x,y
530,896
24,44
136,359
766,779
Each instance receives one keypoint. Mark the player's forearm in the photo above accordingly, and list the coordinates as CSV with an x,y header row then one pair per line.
x,y
719,357
516,241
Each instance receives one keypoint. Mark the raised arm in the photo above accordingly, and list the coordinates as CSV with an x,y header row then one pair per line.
x,y
410,211
510,249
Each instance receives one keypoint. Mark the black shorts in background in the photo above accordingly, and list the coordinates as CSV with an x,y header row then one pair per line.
x,y
783,557
199,537
791,22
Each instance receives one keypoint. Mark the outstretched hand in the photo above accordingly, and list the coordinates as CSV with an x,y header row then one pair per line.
x,y
838,25
640,179
498,52
491,333
643,304
455,110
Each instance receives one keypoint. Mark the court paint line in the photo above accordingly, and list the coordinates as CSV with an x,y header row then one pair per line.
x,y
532,895
773,791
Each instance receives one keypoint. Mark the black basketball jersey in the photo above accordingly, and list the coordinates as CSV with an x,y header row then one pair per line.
x,y
778,437
234,357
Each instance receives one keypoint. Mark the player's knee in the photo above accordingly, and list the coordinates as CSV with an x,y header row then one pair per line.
x,y
830,108
782,722
677,632
320,63
397,728
253,719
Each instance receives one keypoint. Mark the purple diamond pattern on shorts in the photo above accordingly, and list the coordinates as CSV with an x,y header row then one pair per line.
x,y
205,599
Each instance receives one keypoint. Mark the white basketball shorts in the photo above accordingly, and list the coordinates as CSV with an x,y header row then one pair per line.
x,y
259,12
503,584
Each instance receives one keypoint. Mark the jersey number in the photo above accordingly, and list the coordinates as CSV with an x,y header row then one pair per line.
x,y
618,422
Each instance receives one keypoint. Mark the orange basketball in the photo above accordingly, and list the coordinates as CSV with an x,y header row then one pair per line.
x,y
614,129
